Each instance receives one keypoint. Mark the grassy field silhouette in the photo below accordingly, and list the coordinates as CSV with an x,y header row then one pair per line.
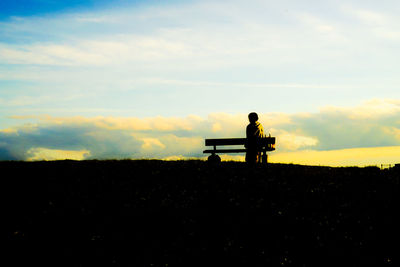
x,y
176,212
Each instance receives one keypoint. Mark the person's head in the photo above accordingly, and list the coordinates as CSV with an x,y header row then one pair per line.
x,y
253,117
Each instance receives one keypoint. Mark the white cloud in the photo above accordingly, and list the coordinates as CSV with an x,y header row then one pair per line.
x,y
25,100
217,127
294,141
150,143
51,54
316,23
39,153
383,25
370,17
371,109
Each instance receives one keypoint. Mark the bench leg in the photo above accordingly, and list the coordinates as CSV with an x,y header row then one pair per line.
x,y
264,158
213,158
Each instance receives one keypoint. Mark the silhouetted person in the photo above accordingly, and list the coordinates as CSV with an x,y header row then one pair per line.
x,y
254,131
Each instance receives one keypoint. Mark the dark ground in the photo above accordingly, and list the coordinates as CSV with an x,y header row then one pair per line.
x,y
186,212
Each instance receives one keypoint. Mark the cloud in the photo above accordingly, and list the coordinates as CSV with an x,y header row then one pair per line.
x,y
40,153
149,143
294,141
361,126
370,17
316,24
333,132
51,54
100,137
382,24
48,137
371,109
8,131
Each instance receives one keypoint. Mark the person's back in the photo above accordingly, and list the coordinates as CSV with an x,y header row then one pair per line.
x,y
254,131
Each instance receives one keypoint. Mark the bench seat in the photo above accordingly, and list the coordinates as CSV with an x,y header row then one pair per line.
x,y
225,150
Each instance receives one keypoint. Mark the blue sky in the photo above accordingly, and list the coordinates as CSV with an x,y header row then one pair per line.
x,y
174,60
11,8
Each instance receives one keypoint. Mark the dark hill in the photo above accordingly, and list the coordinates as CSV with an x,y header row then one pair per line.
x,y
183,212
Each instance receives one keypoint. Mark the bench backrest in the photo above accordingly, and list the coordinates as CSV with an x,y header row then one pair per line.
x,y
225,141
237,141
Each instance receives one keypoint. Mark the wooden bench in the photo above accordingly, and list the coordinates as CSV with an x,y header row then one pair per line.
x,y
266,144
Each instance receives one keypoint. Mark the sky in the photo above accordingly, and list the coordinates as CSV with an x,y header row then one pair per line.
x,y
152,79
